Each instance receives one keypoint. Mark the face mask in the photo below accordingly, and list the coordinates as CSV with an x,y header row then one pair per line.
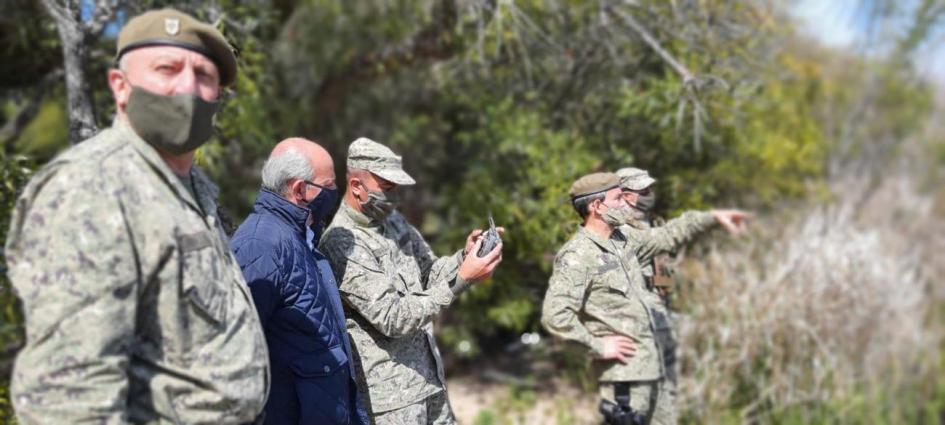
x,y
319,208
380,204
175,124
616,216
646,203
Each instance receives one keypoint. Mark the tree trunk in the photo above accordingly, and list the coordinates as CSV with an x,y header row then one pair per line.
x,y
74,54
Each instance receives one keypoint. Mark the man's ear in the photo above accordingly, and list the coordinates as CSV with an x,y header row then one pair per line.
x,y
594,205
296,190
355,186
121,88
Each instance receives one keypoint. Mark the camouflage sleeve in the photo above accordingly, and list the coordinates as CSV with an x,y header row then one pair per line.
x,y
440,271
73,265
671,236
445,272
367,289
560,313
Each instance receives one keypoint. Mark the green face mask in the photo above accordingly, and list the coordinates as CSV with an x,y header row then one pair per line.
x,y
175,124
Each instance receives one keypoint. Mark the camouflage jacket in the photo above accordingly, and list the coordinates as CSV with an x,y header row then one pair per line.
x,y
597,289
656,239
135,309
651,240
392,286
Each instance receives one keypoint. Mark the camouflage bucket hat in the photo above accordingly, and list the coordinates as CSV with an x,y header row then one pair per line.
x,y
366,154
634,178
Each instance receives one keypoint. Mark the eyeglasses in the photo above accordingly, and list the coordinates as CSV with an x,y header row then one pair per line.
x,y
309,182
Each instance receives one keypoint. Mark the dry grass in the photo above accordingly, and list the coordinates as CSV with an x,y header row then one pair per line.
x,y
835,304
830,312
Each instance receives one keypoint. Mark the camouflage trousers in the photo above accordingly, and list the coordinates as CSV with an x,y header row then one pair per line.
x,y
433,410
656,400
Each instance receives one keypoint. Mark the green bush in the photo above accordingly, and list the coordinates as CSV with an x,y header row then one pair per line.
x,y
14,172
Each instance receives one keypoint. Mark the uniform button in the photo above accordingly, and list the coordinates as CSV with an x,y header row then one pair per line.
x,y
327,368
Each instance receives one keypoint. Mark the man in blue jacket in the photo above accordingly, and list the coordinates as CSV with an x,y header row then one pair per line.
x,y
295,292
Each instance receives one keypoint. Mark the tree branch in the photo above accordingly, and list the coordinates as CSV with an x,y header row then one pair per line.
x,y
431,42
75,50
631,22
104,13
25,113
436,41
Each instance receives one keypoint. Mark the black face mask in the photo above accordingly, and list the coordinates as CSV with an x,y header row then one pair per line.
x,y
319,207
380,205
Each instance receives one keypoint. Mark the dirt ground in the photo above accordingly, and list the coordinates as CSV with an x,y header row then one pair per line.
x,y
491,398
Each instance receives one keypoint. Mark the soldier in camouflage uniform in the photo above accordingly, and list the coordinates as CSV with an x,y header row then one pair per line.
x,y
598,297
655,240
636,185
135,310
393,286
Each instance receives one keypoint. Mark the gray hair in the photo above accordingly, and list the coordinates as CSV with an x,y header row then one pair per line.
x,y
279,169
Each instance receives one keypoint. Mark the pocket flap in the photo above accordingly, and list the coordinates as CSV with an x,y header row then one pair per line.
x,y
194,241
202,280
320,364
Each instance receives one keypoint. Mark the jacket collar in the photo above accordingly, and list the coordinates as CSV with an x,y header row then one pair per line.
x,y
273,203
356,217
613,244
154,159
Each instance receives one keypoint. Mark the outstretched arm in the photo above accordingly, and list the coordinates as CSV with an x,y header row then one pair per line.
x,y
679,231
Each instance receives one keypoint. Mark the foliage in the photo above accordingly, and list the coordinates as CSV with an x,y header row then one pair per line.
x,y
14,172
497,106
526,96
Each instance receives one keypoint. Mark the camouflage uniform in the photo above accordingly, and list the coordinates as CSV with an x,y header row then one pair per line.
x,y
651,243
135,309
597,289
656,270
393,285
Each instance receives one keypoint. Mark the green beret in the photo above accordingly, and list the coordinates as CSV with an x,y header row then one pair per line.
x,y
170,27
593,183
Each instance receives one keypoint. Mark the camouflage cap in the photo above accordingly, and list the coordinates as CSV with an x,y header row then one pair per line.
x,y
592,184
634,178
366,154
171,27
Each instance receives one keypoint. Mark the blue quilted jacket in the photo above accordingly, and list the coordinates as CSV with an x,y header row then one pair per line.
x,y
295,293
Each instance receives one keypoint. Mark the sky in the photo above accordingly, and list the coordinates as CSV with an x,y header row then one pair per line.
x,y
845,24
